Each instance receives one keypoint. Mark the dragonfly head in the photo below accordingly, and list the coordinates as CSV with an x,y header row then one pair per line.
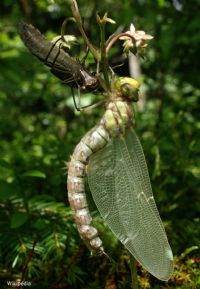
x,y
90,82
128,87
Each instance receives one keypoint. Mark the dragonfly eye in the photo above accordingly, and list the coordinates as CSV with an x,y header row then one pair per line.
x,y
129,87
130,92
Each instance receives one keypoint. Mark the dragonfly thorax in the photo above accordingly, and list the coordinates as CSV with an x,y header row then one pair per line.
x,y
117,117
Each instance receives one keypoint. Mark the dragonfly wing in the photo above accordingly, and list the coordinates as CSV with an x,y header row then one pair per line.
x,y
120,185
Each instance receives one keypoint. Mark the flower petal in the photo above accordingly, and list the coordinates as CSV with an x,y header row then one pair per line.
x,y
132,28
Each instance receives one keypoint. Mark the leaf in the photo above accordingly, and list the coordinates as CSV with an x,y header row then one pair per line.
x,y
15,261
40,224
4,163
36,174
8,190
18,219
195,171
161,3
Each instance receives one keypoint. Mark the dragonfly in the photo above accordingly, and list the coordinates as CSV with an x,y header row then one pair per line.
x,y
63,66
111,157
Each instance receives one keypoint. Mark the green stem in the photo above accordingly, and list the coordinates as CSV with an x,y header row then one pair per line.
x,y
63,28
104,60
78,20
133,272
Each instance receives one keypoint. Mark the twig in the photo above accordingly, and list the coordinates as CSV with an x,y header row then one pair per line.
x,y
27,261
133,272
78,20
111,282
103,60
66,271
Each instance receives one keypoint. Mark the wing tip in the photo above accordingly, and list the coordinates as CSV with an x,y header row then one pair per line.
x,y
165,273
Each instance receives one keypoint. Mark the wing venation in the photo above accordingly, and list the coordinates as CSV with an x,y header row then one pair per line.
x,y
120,185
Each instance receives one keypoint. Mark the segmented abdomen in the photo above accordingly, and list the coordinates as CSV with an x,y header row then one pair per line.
x,y
117,116
93,141
62,65
45,50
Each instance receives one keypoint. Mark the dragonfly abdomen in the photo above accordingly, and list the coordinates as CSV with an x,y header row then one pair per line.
x,y
94,140
116,117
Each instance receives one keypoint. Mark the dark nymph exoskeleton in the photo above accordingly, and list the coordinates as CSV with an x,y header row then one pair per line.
x,y
62,65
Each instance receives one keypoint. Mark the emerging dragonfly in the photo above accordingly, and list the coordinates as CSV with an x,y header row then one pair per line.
x,y
111,156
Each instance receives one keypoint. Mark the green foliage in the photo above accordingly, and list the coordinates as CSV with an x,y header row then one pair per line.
x,y
39,129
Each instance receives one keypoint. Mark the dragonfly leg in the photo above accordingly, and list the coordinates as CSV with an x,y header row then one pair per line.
x,y
92,105
74,100
51,49
57,54
112,77
63,28
86,107
82,61
68,80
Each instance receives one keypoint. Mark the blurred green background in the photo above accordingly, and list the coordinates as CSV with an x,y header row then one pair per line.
x,y
39,129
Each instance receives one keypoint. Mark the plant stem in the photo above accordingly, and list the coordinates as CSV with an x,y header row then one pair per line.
x,y
114,38
133,272
66,271
27,261
78,20
104,60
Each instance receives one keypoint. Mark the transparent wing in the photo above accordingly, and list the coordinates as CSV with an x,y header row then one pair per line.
x,y
120,185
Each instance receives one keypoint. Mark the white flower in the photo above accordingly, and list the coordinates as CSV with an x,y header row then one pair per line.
x,y
139,36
